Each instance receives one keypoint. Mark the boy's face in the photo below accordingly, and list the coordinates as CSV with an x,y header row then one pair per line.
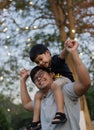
x,y
44,60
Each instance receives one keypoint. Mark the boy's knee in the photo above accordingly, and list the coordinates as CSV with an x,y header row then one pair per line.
x,y
38,95
54,86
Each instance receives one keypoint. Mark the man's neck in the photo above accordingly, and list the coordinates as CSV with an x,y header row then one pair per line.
x,y
45,91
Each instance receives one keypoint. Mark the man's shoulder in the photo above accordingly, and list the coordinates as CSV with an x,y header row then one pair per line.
x,y
68,90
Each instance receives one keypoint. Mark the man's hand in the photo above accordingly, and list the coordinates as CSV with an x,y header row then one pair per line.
x,y
24,74
71,45
25,98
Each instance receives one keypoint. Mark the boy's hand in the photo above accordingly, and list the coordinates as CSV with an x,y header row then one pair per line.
x,y
24,74
71,45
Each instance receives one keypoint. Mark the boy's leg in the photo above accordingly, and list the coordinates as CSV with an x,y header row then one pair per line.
x,y
36,124
61,81
59,98
56,87
37,101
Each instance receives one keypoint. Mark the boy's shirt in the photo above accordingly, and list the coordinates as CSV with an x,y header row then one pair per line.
x,y
58,66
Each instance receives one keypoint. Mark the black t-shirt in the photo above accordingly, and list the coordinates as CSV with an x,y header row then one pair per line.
x,y
59,66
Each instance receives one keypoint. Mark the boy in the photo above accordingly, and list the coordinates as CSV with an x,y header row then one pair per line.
x,y
42,56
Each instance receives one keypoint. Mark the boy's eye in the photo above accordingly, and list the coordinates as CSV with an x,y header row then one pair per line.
x,y
39,60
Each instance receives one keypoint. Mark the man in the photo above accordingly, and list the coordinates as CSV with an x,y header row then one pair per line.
x,y
71,91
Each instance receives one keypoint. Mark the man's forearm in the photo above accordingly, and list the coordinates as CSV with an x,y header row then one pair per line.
x,y
25,98
83,75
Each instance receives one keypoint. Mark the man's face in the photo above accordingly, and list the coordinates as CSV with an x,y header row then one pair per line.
x,y
43,79
44,60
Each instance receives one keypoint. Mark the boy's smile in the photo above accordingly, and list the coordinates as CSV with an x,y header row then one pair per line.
x,y
43,60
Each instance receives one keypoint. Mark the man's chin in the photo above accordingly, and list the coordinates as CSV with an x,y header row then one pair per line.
x,y
43,87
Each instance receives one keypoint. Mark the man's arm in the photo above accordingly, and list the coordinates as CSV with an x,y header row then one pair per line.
x,y
26,100
83,83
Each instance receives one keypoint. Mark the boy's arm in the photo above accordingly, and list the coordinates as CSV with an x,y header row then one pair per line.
x,y
25,98
83,83
63,54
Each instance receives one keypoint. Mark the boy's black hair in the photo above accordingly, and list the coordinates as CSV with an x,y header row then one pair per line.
x,y
37,50
36,69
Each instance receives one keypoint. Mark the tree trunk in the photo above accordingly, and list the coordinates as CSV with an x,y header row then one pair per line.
x,y
56,7
84,108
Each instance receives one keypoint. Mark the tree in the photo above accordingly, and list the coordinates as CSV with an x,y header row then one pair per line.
x,y
30,22
90,97
12,116
4,124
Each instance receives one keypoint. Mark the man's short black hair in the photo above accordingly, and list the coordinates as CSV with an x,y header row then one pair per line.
x,y
37,50
36,69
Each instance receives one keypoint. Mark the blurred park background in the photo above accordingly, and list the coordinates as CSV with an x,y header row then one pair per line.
x,y
24,23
